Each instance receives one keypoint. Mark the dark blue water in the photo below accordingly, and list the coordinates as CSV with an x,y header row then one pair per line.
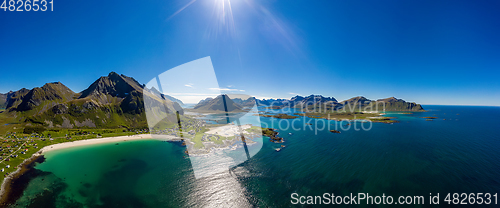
x,y
455,153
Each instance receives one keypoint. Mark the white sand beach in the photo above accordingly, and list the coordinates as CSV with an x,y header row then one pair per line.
x,y
72,144
94,141
228,130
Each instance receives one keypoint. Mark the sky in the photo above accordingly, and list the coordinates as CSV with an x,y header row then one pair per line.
x,y
429,52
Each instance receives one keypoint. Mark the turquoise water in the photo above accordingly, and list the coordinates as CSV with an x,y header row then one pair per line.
x,y
413,157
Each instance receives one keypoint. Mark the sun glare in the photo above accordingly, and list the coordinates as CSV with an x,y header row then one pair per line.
x,y
222,13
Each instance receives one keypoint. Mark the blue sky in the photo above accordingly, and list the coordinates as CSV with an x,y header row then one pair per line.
x,y
430,52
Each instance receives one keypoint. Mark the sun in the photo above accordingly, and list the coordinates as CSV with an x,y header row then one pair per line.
x,y
223,19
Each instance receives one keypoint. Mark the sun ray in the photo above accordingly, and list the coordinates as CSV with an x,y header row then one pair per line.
x,y
180,10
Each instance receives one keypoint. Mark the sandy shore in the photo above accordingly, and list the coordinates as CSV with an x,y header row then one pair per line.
x,y
94,141
6,196
19,171
229,130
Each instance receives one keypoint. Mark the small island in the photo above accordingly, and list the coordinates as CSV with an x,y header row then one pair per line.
x,y
429,117
335,131
273,135
274,107
339,116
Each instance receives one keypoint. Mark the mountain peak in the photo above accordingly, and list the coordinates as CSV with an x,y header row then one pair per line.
x,y
391,99
55,86
114,84
319,98
219,103
115,76
54,92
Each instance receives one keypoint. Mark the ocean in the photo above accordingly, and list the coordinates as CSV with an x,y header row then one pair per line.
x,y
455,153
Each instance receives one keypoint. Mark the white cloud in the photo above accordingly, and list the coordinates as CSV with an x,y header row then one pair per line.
x,y
189,85
226,89
191,97
292,93
191,94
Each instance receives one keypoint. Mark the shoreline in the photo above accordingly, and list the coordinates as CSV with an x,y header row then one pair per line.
x,y
7,193
27,165
8,190
86,142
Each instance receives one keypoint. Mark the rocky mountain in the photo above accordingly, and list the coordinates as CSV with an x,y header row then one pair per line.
x,y
45,97
314,100
298,101
221,103
359,103
204,102
13,99
309,102
356,100
269,102
394,104
3,101
387,104
111,86
111,101
249,102
158,93
119,101
355,103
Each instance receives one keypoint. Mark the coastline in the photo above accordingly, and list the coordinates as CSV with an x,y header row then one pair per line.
x,y
78,143
28,164
7,191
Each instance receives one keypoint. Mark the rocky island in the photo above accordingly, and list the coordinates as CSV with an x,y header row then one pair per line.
x,y
273,135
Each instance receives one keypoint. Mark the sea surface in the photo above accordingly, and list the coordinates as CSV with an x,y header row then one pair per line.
x,y
458,152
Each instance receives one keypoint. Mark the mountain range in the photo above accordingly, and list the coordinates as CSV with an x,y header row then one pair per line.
x,y
118,101
318,102
111,101
220,103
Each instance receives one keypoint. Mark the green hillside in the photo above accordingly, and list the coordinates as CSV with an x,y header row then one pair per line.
x,y
113,101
